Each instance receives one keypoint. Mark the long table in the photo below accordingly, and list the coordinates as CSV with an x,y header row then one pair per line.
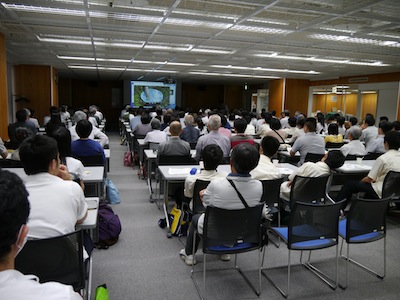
x,y
90,222
178,174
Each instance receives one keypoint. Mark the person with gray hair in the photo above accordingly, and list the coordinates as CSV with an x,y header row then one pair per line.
x,y
155,135
95,133
190,134
354,147
213,137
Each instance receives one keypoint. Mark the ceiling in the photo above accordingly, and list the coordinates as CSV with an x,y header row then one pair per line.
x,y
203,40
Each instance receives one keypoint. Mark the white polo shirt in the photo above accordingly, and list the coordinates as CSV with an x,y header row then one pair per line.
x,y
265,170
390,161
17,286
207,175
56,205
354,147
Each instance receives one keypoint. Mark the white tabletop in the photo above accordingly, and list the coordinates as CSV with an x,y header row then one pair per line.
x,y
351,166
94,174
91,219
150,154
18,171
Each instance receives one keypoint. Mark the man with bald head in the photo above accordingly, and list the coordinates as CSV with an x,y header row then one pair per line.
x,y
174,146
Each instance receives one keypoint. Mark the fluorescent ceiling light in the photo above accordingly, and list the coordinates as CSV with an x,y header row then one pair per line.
x,y
259,29
125,61
338,30
264,69
356,40
233,75
120,69
326,60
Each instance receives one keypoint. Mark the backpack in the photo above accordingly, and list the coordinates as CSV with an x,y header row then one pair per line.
x,y
179,221
128,159
109,227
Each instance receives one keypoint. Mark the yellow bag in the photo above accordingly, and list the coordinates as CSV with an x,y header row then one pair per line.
x,y
176,213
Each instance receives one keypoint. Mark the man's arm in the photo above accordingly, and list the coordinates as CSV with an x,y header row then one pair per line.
x,y
102,137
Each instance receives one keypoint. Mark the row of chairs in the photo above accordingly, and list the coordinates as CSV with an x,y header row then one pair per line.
x,y
313,225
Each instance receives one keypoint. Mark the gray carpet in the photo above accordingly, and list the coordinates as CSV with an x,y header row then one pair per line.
x,y
144,264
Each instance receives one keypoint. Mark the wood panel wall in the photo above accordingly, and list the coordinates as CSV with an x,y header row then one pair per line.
x,y
54,86
3,90
34,83
233,97
198,96
319,103
368,105
296,95
276,87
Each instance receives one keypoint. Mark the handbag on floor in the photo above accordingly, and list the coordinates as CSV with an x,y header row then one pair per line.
x,y
109,227
112,192
101,293
179,221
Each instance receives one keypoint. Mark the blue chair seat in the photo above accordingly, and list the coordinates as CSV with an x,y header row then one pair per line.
x,y
362,238
304,230
236,247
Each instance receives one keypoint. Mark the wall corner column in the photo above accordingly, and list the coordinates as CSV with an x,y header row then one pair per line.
x,y
3,89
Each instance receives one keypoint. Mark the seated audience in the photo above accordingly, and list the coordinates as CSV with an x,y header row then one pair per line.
x,y
21,133
32,119
292,122
284,119
372,184
265,169
377,145
333,134
220,193
299,132
3,149
96,133
85,146
57,203
331,160
354,147
250,129
353,122
212,156
213,137
310,142
190,133
239,126
144,127
155,135
264,124
276,131
55,120
22,118
341,127
223,129
14,213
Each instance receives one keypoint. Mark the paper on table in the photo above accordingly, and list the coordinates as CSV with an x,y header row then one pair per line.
x,y
355,167
285,171
180,171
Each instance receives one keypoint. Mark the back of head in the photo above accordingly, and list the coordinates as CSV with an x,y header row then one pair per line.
x,y
145,118
369,120
383,118
21,115
311,124
223,120
353,121
396,125
300,122
392,138
84,128
189,120
340,120
275,124
286,113
385,126
292,122
212,156
37,152
269,145
79,115
21,133
240,125
335,159
63,139
14,210
355,132
175,128
333,128
244,158
214,122
155,124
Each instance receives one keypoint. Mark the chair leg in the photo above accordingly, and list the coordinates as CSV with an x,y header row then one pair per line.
x,y
257,292
332,283
358,264
284,294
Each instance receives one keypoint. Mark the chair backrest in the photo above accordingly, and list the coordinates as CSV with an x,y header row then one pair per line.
x,y
391,185
309,221
235,143
313,157
352,157
175,160
57,259
372,156
333,145
154,146
366,216
271,191
231,227
308,189
91,160
197,204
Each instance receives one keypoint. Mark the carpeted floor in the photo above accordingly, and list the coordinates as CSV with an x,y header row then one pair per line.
x,y
144,264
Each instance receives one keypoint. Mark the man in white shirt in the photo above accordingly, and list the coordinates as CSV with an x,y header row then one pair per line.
x,y
96,133
14,212
370,132
265,169
285,119
212,156
377,145
332,160
57,202
220,193
372,184
309,143
354,147
155,135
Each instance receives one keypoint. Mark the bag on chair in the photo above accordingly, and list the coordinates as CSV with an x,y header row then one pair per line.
x,y
128,159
